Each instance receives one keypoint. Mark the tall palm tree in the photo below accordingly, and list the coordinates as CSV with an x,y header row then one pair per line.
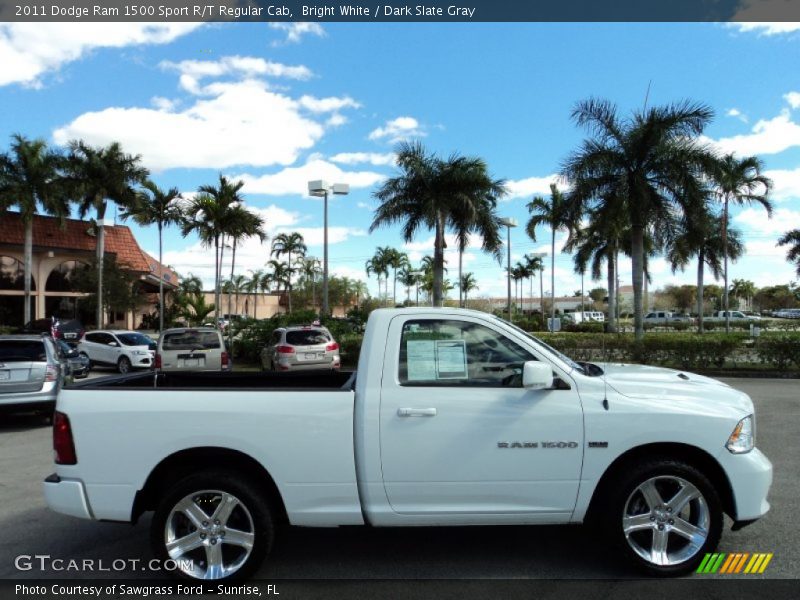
x,y
739,181
396,260
30,180
792,239
468,284
556,214
281,275
360,290
162,208
408,279
651,162
379,266
700,236
95,176
289,244
310,268
252,288
535,265
437,194
240,225
742,288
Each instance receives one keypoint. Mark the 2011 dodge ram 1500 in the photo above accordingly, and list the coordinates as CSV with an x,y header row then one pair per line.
x,y
454,417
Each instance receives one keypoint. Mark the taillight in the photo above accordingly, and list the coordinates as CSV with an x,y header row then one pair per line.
x,y
285,349
331,347
157,361
51,373
62,441
224,360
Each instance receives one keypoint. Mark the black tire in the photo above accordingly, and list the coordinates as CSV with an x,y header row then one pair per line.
x,y
124,365
625,497
252,511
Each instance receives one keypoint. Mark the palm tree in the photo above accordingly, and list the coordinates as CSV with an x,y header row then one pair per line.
x,y
651,163
379,266
281,275
742,288
792,239
408,279
30,180
556,215
396,260
252,286
437,194
310,268
289,244
360,290
468,284
155,206
240,225
701,237
95,176
738,181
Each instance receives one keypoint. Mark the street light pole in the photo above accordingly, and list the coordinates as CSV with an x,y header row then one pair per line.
x,y
321,189
509,223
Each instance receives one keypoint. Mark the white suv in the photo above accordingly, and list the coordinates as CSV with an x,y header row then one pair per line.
x,y
124,350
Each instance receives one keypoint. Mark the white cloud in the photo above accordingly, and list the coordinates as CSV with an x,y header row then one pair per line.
x,y
30,50
296,31
294,180
243,124
793,99
163,104
756,219
315,236
532,186
364,205
330,104
786,183
399,129
192,72
764,28
737,114
336,120
373,158
768,136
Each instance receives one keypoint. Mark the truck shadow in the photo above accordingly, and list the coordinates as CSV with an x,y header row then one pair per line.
x,y
23,422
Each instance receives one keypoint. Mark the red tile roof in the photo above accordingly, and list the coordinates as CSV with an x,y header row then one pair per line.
x,y
76,235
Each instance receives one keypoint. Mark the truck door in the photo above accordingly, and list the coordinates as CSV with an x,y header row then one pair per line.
x,y
460,435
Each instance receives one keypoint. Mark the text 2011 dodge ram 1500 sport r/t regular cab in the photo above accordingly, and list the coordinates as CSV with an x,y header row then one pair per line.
x,y
455,417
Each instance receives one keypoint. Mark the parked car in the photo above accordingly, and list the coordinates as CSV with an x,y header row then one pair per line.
x,y
455,417
67,329
735,315
301,349
31,373
123,350
78,364
192,349
787,313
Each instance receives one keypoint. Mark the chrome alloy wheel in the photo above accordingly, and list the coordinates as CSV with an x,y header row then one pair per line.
x,y
666,520
209,534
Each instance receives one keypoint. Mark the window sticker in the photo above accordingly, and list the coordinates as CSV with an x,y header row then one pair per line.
x,y
451,359
421,360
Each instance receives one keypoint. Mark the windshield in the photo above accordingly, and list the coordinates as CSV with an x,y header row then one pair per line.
x,y
549,349
134,339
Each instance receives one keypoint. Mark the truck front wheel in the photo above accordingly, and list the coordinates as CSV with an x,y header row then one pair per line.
x,y
665,516
212,526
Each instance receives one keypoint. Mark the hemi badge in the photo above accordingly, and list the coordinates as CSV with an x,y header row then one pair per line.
x,y
598,444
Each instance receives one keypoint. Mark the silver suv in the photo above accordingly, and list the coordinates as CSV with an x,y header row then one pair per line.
x,y
31,373
192,349
300,348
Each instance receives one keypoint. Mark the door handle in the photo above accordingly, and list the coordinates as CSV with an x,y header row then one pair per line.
x,y
416,412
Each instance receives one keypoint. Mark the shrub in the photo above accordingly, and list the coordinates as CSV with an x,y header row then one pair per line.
x,y
780,351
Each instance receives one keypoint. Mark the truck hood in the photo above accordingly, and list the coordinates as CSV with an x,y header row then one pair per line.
x,y
669,385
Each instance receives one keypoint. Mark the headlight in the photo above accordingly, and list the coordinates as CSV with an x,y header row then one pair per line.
x,y
743,438
141,352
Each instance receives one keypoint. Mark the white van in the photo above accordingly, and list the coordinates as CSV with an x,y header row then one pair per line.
x,y
192,349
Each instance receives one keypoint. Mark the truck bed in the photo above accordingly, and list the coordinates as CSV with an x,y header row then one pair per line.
x,y
211,380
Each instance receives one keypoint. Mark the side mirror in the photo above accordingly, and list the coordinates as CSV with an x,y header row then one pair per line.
x,y
537,375
115,344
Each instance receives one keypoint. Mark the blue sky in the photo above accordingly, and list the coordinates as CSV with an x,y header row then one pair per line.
x,y
278,105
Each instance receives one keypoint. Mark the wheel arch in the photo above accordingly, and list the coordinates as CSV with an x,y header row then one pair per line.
x,y
692,455
193,460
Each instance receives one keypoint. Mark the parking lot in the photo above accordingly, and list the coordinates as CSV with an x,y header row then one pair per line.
x,y
361,553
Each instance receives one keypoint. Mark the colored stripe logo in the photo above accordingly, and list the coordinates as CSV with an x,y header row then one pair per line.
x,y
735,563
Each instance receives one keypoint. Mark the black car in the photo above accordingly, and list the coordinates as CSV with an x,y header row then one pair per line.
x,y
79,364
70,330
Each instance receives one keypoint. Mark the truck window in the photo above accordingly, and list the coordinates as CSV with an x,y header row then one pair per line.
x,y
439,352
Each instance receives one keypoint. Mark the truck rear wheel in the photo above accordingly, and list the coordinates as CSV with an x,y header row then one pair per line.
x,y
214,526
665,516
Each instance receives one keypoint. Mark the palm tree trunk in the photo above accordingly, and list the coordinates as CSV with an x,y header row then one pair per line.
x,y
460,281
160,278
394,289
700,266
725,273
230,288
438,260
637,252
28,266
219,275
541,293
101,239
217,261
612,296
553,278
530,282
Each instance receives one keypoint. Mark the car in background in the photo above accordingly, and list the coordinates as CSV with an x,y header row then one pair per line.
x,y
31,373
301,348
123,350
70,330
787,313
78,364
192,349
661,317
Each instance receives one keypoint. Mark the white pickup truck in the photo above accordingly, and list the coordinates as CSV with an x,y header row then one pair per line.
x,y
454,417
